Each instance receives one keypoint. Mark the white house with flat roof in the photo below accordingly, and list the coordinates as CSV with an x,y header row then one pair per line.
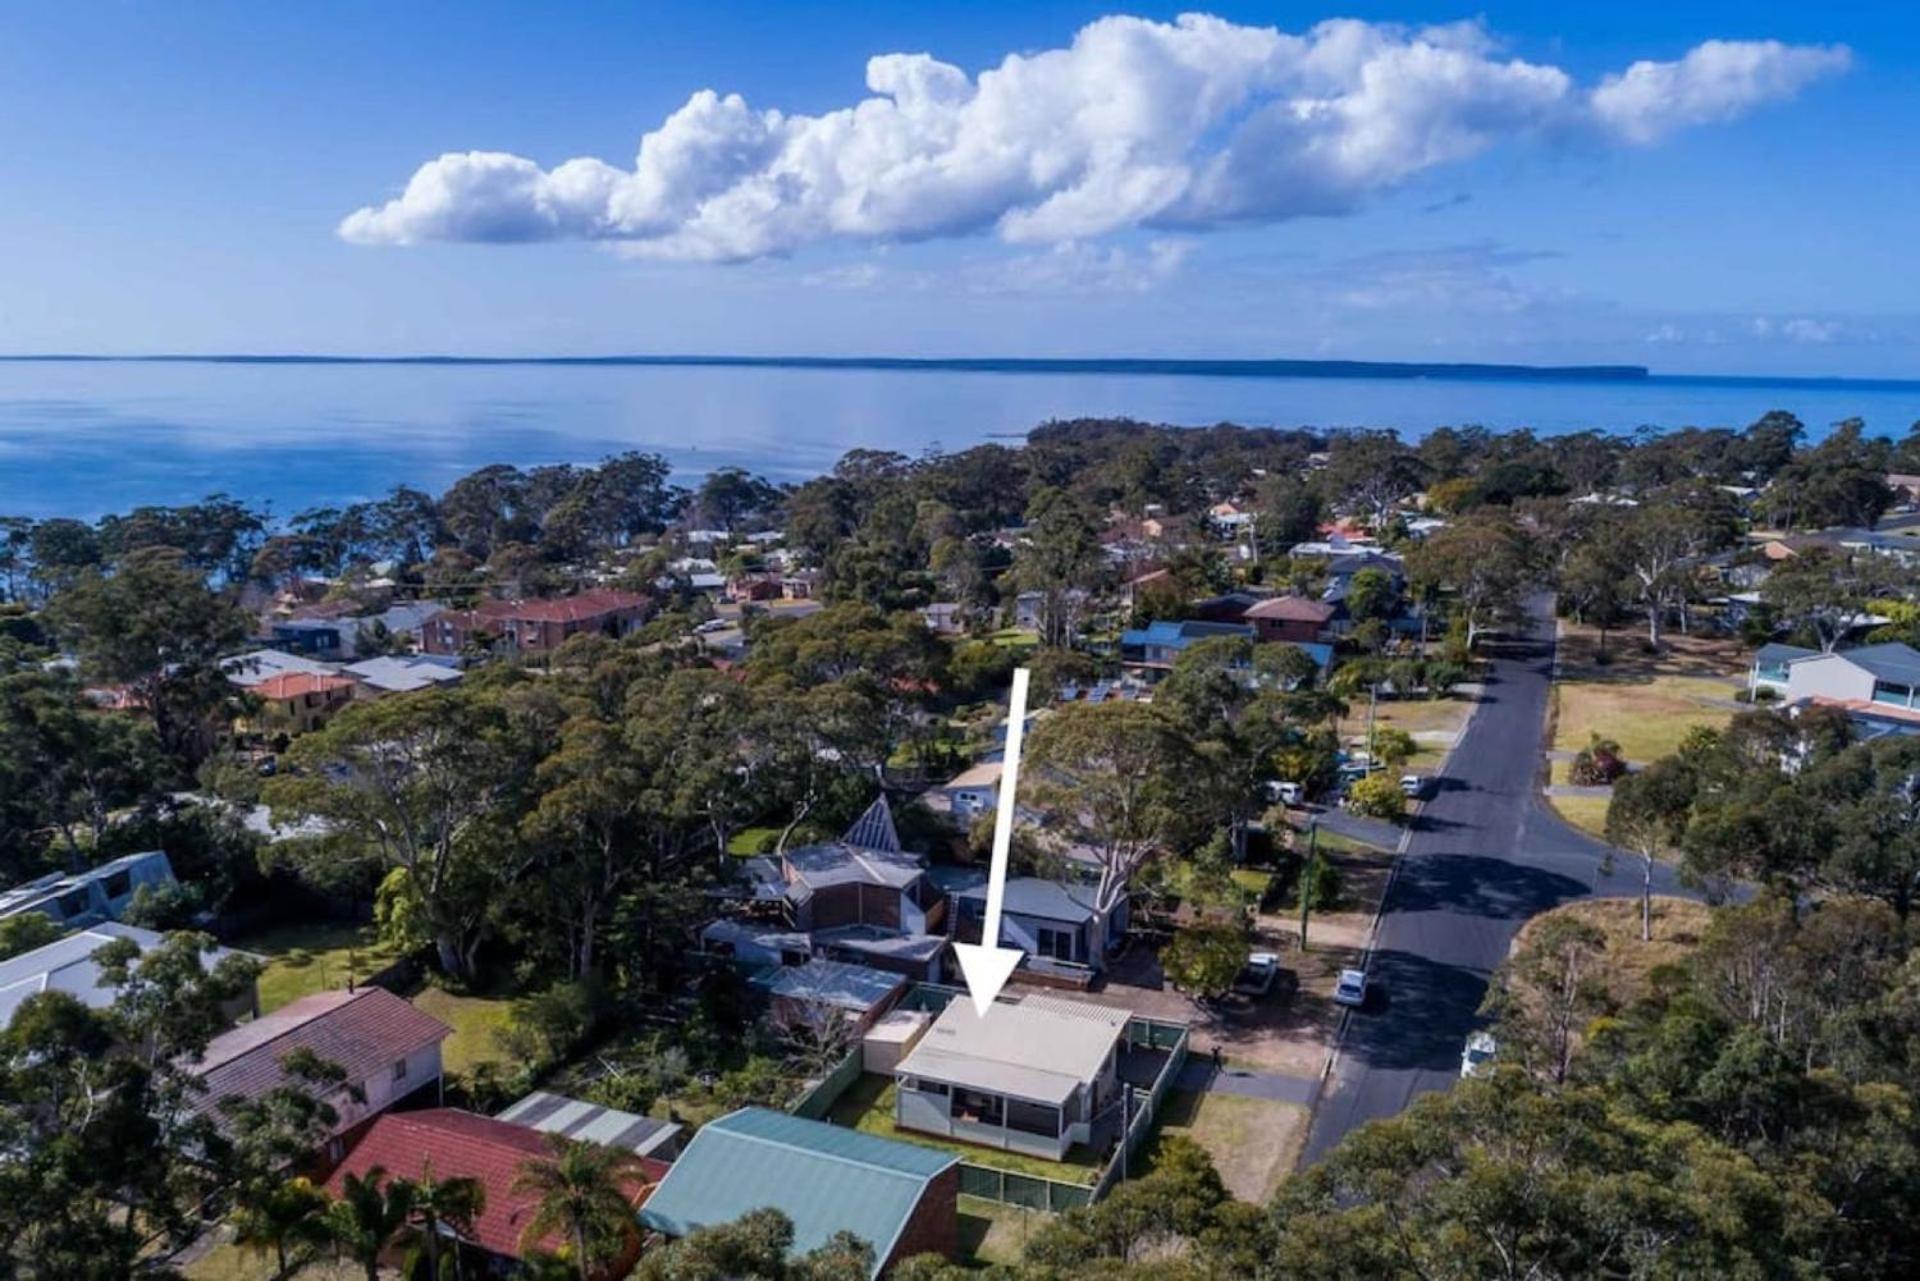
x,y
1031,1075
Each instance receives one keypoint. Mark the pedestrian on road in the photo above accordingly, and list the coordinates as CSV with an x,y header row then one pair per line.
x,y
1216,1057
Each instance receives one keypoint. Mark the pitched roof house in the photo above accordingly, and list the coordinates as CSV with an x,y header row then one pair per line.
x,y
67,965
1878,686
389,1050
450,1143
1031,1075
900,1198
534,626
97,894
1291,618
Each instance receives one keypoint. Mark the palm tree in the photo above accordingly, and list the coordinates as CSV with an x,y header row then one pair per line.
x,y
436,1203
583,1196
278,1217
367,1216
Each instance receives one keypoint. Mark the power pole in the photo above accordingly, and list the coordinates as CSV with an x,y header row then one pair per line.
x,y
1308,875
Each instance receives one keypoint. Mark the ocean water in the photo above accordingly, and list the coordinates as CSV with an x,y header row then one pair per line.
x,y
82,439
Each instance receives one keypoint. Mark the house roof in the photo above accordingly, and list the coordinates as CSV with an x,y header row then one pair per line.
x,y
825,1178
854,988
457,1144
983,774
564,609
839,863
772,937
1894,662
1294,609
874,830
590,1123
263,664
1181,633
1357,561
400,675
54,884
1036,896
1038,1048
299,684
1778,653
67,965
365,1031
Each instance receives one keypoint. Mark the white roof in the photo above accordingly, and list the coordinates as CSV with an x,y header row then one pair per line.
x,y
67,965
399,675
265,664
1038,1048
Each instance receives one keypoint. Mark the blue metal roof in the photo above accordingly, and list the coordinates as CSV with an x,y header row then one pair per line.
x,y
825,1178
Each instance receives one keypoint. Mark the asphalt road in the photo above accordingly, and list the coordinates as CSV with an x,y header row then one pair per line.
x,y
1484,856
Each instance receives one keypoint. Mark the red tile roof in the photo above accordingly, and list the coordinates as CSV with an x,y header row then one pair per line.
x,y
457,1144
564,609
295,684
365,1032
1297,609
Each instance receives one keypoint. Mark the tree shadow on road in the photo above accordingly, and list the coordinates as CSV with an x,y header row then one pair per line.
x,y
1480,886
1418,1013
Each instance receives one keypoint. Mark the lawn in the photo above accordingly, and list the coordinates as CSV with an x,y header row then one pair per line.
x,y
228,1262
303,959
1415,715
1254,1143
1645,702
1015,637
868,1106
1678,925
1588,813
474,1020
749,841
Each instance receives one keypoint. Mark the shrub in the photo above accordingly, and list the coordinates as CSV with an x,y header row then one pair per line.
x,y
1320,882
1597,764
1393,746
1204,958
1377,796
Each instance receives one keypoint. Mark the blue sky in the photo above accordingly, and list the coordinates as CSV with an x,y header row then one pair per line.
x,y
176,179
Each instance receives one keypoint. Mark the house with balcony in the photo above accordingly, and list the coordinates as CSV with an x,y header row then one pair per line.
x,y
1058,924
1036,1075
1877,686
1769,669
535,626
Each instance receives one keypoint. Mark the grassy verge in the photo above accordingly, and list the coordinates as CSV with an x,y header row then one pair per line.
x,y
303,959
1588,813
1254,1143
868,1106
1646,702
749,841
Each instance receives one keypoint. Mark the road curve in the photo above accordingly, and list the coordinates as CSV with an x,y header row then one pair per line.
x,y
1485,855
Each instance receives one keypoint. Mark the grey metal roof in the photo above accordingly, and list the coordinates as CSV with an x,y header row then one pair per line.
x,y
839,863
857,988
1893,662
874,830
1775,652
591,1123
400,675
1036,896
67,965
874,941
825,1178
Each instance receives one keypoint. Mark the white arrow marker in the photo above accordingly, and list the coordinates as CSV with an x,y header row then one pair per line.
x,y
986,964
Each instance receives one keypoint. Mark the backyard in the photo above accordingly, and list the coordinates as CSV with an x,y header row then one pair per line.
x,y
304,959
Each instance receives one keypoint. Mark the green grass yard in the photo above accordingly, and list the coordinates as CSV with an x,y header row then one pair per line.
x,y
1254,1143
991,1232
868,1105
474,1020
303,959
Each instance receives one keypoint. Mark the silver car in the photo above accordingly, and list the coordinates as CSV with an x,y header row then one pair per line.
x,y
1351,990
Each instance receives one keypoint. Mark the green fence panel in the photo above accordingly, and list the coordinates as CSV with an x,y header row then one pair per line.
x,y
819,1101
981,1181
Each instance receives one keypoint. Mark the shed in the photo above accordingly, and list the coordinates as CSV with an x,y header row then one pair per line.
x,y
891,1039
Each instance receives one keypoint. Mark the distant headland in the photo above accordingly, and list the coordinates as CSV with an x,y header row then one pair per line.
x,y
962,364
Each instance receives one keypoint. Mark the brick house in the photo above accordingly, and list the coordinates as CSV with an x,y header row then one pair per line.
x,y
1290,618
534,626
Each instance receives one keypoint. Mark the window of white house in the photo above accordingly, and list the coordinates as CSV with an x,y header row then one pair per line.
x,y
400,1070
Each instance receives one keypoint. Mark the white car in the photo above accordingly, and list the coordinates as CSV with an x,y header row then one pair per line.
x,y
713,625
1257,975
1412,786
1477,1053
1351,990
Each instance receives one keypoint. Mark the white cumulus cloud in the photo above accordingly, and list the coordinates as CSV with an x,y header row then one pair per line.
x,y
1188,125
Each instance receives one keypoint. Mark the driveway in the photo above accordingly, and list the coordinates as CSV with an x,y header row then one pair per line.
x,y
1485,854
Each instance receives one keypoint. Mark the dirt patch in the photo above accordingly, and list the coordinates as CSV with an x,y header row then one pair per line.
x,y
1698,656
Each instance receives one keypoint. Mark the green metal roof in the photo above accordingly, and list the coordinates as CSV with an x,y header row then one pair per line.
x,y
826,1178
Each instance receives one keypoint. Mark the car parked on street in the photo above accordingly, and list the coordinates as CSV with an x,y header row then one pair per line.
x,y
1351,990
1412,786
